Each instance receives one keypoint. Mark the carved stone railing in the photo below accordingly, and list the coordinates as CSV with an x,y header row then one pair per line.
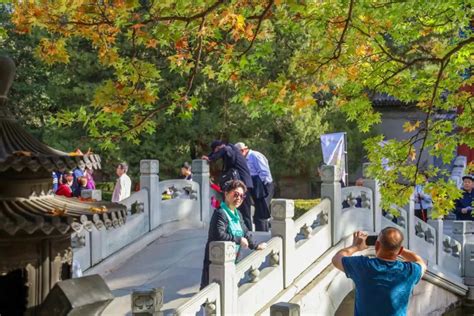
x,y
248,285
350,217
146,212
180,189
185,203
209,297
260,278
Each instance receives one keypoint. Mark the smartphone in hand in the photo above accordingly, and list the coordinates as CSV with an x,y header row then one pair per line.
x,y
371,239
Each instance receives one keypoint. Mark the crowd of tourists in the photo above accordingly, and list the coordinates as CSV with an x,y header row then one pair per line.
x,y
71,183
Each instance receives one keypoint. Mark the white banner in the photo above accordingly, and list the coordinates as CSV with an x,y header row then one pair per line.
x,y
333,149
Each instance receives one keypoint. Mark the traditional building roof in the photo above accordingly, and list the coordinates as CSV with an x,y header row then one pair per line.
x,y
27,205
56,214
19,149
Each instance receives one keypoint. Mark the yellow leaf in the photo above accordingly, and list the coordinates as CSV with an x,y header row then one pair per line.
x,y
412,154
246,99
408,127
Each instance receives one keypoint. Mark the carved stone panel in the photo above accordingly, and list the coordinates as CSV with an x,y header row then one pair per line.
x,y
149,166
282,209
147,302
221,252
330,174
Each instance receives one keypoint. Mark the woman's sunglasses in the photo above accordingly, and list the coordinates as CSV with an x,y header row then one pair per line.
x,y
239,195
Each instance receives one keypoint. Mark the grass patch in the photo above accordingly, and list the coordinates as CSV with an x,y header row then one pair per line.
x,y
302,206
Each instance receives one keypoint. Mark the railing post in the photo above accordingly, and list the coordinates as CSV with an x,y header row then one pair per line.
x,y
200,169
438,226
283,226
285,309
463,232
150,180
222,271
331,189
373,184
411,232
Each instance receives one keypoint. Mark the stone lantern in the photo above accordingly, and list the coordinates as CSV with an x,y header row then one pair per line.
x,y
36,225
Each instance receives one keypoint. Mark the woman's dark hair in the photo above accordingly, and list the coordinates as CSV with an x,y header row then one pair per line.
x,y
234,184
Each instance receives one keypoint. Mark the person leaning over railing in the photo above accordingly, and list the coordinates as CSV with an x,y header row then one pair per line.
x,y
383,284
227,225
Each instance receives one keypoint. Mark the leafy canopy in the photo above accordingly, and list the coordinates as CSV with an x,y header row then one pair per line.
x,y
165,56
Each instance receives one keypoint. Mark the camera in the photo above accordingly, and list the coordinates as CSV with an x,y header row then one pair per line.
x,y
371,239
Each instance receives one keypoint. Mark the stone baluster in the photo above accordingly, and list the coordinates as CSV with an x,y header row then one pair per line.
x,y
411,231
463,231
150,180
200,169
283,226
376,198
437,224
331,189
222,271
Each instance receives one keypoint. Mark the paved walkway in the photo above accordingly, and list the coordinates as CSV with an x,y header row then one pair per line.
x,y
173,262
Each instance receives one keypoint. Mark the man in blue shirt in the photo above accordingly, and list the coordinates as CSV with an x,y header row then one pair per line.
x,y
262,192
383,284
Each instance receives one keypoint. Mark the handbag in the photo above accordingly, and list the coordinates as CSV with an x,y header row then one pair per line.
x,y
231,174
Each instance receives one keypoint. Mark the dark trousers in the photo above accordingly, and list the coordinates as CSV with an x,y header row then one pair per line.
x,y
246,211
421,214
262,209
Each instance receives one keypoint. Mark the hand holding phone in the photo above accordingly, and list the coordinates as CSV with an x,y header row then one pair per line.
x,y
371,239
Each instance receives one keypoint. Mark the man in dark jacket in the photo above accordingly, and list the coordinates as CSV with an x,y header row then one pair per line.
x,y
233,159
464,204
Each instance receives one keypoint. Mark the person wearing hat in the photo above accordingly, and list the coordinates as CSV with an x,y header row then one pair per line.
x,y
234,168
464,204
262,192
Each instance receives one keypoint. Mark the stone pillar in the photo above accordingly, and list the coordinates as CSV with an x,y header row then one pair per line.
x,y
331,189
285,309
438,226
463,232
200,169
411,232
222,271
376,198
283,225
150,180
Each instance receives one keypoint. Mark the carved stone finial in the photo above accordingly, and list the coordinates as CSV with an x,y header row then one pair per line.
x,y
147,302
330,174
221,252
149,166
282,209
200,166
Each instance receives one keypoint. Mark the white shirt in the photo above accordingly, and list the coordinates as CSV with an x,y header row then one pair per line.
x,y
122,188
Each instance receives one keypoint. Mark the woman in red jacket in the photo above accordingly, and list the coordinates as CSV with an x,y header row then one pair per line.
x,y
65,187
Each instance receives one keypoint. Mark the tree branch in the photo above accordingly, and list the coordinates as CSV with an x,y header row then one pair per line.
x,y
187,19
259,24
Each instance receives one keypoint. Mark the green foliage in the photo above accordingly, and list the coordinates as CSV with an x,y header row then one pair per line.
x,y
171,75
